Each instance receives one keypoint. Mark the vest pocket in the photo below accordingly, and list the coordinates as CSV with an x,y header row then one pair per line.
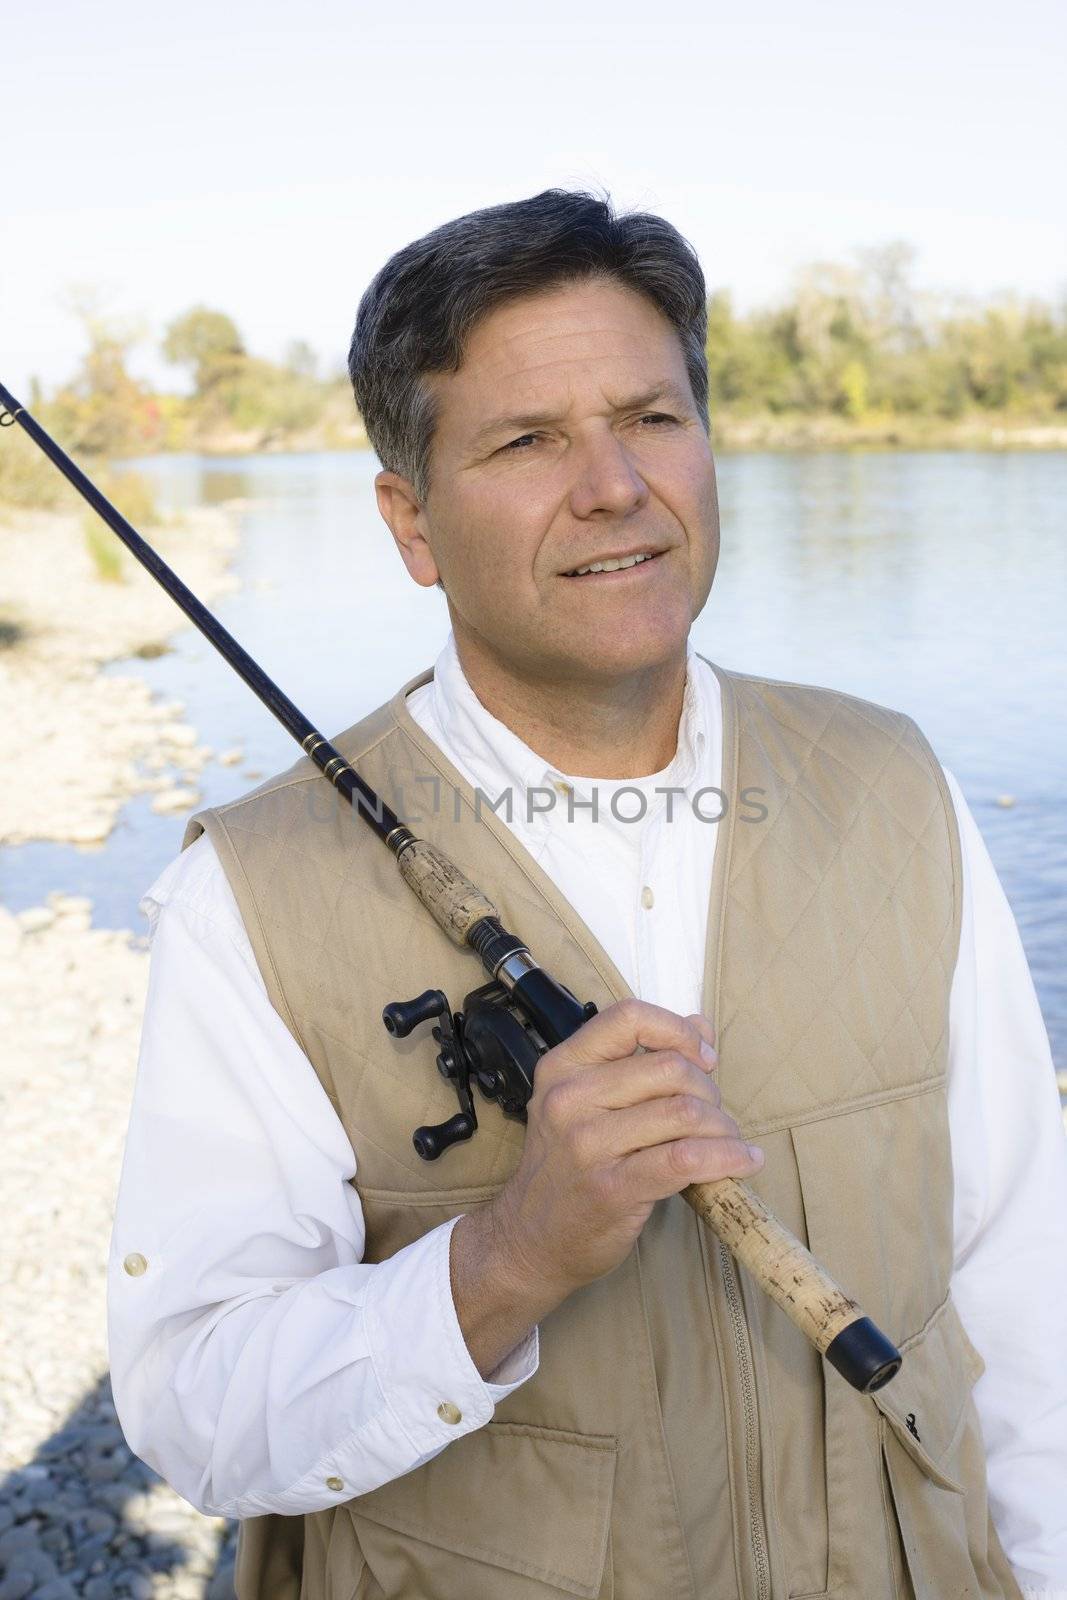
x,y
511,1510
333,1563
934,1461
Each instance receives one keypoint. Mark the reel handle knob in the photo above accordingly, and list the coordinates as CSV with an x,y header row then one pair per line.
x,y
400,1016
430,1142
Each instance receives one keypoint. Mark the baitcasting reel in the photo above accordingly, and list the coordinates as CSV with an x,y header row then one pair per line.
x,y
487,1042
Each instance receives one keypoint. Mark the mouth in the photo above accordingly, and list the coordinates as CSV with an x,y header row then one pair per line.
x,y
608,564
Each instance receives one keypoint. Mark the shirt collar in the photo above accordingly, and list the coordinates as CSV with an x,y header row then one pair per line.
x,y
497,758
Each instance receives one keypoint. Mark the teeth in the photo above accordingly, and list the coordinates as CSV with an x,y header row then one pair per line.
x,y
610,566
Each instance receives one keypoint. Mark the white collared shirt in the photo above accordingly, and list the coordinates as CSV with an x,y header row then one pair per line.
x,y
260,1365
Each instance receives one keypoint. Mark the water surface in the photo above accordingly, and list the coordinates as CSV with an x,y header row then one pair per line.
x,y
931,582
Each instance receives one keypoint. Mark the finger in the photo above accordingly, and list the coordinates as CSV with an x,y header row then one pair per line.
x,y
660,1122
628,1026
706,1029
666,1169
648,1076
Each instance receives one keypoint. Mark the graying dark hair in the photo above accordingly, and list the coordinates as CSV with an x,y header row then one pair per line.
x,y
422,306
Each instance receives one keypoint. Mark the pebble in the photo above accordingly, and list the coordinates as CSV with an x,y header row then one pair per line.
x,y
62,903
188,1587
178,733
17,1584
95,1545
77,1509
35,918
138,1583
16,1540
172,800
36,1562
99,1522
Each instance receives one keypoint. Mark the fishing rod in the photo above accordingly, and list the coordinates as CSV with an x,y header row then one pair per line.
x,y
506,1025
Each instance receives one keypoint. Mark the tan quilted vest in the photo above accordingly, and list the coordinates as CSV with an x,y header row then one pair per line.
x,y
680,1440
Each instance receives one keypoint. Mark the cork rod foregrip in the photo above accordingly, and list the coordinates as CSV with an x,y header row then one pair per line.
x,y
793,1279
454,902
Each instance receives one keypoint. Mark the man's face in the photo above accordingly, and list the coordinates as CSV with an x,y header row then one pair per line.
x,y
568,436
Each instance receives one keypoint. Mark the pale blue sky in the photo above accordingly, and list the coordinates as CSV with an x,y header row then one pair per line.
x,y
266,158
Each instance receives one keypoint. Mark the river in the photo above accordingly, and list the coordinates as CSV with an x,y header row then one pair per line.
x,y
933,582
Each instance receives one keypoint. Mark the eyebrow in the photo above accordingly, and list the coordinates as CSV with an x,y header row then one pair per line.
x,y
538,419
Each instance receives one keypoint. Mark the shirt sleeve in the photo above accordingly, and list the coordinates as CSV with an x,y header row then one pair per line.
x,y
1010,1223
257,1364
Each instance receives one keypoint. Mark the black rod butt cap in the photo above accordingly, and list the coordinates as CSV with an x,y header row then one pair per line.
x,y
863,1356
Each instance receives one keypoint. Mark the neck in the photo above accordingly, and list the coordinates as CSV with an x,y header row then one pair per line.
x,y
594,728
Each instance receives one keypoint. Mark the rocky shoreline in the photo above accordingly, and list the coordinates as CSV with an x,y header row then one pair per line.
x,y
828,431
79,1515
61,623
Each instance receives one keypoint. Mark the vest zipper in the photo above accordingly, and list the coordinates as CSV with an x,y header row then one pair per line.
x,y
748,1397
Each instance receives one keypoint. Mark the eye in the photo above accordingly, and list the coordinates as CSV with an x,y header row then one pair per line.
x,y
514,443
657,416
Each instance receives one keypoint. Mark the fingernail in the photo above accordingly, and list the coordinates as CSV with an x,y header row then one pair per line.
x,y
755,1152
710,1054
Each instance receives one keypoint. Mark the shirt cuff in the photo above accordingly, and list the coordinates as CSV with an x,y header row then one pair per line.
x,y
421,1360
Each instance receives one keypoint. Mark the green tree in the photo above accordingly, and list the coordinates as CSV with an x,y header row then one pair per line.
x,y
105,410
205,341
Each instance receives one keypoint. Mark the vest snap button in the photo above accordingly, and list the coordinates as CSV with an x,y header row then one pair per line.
x,y
135,1264
335,1484
448,1412
648,899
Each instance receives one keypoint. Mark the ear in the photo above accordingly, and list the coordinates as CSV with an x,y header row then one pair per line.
x,y
406,518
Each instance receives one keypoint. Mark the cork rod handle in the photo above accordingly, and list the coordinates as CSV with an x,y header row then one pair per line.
x,y
793,1279
454,902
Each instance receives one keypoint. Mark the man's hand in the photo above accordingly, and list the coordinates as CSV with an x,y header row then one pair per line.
x,y
624,1113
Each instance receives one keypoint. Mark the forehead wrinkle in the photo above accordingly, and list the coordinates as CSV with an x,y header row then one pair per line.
x,y
581,346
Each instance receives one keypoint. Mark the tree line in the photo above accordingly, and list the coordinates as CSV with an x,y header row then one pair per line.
x,y
854,342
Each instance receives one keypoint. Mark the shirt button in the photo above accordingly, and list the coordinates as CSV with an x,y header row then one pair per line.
x,y
648,899
335,1484
560,787
448,1412
135,1265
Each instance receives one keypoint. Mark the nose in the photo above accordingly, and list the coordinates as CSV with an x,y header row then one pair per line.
x,y
605,477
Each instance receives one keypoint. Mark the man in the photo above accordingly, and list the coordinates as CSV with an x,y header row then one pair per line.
x,y
527,1369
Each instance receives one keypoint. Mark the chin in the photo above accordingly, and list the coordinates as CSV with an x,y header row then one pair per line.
x,y
620,653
